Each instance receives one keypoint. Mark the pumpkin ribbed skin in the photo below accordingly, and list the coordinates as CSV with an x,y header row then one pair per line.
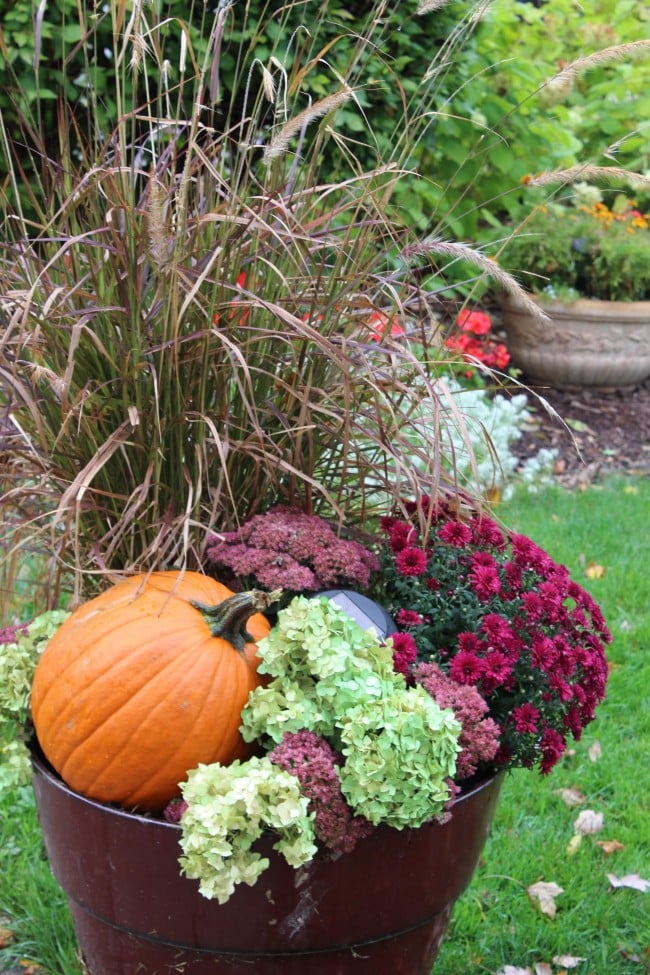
x,y
134,690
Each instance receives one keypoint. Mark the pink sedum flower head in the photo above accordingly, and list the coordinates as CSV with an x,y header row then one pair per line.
x,y
479,739
290,550
501,619
315,763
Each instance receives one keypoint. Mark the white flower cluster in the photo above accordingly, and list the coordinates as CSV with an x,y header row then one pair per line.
x,y
501,419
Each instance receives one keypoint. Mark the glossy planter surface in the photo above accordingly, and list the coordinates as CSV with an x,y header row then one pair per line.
x,y
588,343
382,908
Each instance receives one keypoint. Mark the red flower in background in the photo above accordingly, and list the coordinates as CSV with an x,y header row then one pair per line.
x,y
241,284
379,322
475,343
476,322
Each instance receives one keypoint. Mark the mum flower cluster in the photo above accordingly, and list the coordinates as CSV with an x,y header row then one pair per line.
x,y
496,613
290,550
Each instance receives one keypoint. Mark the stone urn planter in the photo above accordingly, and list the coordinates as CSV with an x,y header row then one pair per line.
x,y
382,908
588,343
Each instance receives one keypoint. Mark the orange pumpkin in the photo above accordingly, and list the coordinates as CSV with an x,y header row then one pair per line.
x,y
146,681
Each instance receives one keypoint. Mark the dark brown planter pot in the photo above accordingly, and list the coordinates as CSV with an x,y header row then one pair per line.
x,y
382,908
592,344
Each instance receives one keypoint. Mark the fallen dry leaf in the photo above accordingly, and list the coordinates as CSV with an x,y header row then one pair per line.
x,y
609,846
634,957
515,970
595,751
574,844
543,968
595,571
6,937
589,822
571,796
567,961
630,880
544,895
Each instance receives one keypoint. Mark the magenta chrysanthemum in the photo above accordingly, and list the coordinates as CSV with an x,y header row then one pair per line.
x,y
411,562
455,533
485,582
405,652
408,617
525,718
499,615
466,668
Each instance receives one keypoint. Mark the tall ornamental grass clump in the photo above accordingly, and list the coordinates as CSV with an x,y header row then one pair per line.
x,y
196,321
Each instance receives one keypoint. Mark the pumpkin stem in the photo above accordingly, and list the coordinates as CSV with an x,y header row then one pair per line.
x,y
228,619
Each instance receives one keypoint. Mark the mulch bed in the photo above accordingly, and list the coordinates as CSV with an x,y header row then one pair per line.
x,y
602,433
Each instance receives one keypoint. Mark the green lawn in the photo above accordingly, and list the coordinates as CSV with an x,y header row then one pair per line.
x,y
495,925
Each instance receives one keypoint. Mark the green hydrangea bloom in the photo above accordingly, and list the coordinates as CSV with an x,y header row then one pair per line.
x,y
15,765
322,664
229,808
333,678
17,665
18,662
399,746
399,753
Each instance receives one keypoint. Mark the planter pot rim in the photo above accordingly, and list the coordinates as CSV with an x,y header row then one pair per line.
x,y
589,343
581,306
44,769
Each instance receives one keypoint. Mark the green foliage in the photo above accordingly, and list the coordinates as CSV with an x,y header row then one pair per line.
x,y
85,68
495,116
582,248
508,120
